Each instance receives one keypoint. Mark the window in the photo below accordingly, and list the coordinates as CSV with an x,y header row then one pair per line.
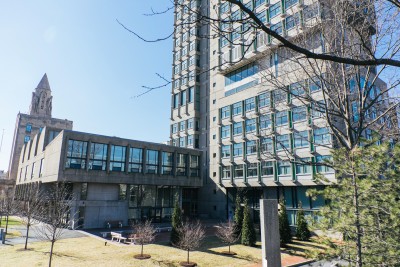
x,y
267,145
292,21
176,100
303,166
265,121
299,114
289,3
27,138
250,125
236,33
322,136
184,63
225,131
98,156
76,154
275,9
152,161
117,160
322,162
191,94
28,128
167,163
241,73
280,96
237,128
277,27
191,75
284,167
258,3
174,128
176,85
318,109
224,7
182,126
135,159
238,170
264,100
190,123
297,89
354,110
262,16
251,147
40,168
282,142
181,165
315,84
237,149
237,109
84,191
301,139
225,112
267,168
182,141
252,170
281,118
226,172
183,98
122,192
190,139
194,166
225,151
177,69
250,104
33,171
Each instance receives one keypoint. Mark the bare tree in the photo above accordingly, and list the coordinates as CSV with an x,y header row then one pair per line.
x,y
144,234
191,235
31,209
58,201
7,205
227,233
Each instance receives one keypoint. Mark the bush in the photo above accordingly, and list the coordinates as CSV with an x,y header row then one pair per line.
x,y
284,226
238,217
302,231
176,222
248,231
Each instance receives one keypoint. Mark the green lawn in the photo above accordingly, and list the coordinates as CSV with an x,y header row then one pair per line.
x,y
12,221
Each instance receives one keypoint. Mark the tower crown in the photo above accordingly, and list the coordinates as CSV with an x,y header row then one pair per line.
x,y
41,104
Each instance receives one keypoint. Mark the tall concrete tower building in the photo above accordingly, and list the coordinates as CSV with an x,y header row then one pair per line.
x,y
237,97
28,125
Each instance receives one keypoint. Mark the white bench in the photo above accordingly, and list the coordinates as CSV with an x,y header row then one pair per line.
x,y
117,236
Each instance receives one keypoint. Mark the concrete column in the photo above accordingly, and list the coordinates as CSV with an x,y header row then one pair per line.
x,y
270,238
127,156
159,162
144,167
174,160
108,157
88,155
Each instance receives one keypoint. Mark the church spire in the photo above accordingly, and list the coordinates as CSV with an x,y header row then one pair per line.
x,y
41,104
44,83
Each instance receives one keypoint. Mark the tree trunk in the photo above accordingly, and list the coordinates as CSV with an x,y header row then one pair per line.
x,y
51,252
357,213
141,253
6,223
188,256
1,219
27,236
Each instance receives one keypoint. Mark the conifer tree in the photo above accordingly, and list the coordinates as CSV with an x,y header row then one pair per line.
x,y
176,222
248,231
284,226
302,231
238,217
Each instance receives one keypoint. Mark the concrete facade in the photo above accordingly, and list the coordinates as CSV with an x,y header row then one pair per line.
x,y
28,125
238,120
112,179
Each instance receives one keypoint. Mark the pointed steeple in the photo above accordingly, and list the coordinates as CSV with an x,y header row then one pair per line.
x,y
41,104
44,83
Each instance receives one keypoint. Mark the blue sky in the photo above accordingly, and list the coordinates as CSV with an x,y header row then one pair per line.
x,y
95,67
